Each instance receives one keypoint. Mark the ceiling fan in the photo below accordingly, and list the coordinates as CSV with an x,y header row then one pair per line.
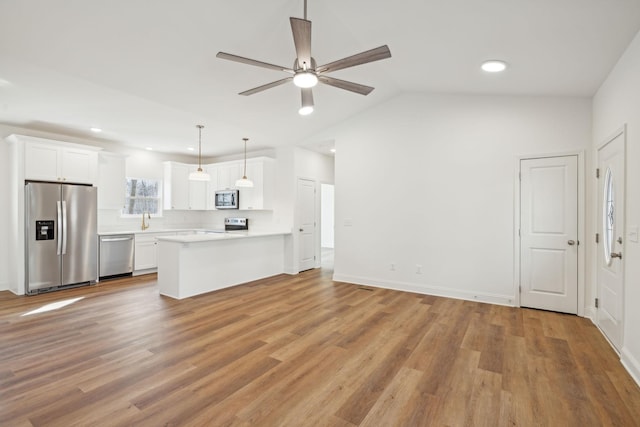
x,y
305,73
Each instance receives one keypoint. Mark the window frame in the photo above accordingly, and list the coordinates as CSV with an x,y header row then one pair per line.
x,y
158,214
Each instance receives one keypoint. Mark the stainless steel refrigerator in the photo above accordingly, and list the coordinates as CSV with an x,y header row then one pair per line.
x,y
61,236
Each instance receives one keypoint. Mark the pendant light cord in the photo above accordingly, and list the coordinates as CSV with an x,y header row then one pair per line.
x,y
199,147
244,175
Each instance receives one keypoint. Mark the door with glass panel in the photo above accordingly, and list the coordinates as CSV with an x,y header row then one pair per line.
x,y
610,257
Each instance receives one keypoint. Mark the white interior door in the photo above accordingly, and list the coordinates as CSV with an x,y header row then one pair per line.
x,y
549,233
611,164
306,208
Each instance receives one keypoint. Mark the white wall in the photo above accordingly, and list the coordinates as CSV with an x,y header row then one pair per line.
x,y
4,216
429,180
616,103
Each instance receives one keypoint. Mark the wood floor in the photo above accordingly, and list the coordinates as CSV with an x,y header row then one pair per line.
x,y
301,351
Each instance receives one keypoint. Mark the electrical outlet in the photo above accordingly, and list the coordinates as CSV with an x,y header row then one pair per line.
x,y
418,269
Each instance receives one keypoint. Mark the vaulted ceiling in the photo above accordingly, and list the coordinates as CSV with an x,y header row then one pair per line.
x,y
146,72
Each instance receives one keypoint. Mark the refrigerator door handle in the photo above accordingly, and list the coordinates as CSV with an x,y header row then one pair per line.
x,y
59,242
64,227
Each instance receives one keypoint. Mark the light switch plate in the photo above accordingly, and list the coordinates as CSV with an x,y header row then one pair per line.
x,y
633,233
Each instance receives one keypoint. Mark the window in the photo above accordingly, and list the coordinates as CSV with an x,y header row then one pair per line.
x,y
142,196
608,218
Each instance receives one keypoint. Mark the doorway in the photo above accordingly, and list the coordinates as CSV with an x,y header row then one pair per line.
x,y
327,232
549,233
610,238
306,213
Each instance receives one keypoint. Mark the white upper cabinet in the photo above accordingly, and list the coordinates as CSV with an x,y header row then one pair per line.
x,y
182,194
176,186
112,180
228,174
261,171
179,192
197,192
212,186
60,163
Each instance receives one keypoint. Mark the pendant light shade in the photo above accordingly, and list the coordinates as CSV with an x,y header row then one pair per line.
x,y
244,181
199,175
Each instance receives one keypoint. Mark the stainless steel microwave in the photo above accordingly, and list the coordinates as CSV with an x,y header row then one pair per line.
x,y
227,199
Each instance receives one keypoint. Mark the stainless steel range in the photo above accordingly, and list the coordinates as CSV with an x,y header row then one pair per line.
x,y
236,224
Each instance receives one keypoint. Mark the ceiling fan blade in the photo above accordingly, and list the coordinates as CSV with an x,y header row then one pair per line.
x,y
242,59
265,87
343,84
301,29
372,55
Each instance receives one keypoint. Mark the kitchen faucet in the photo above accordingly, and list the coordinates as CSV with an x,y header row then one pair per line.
x,y
145,224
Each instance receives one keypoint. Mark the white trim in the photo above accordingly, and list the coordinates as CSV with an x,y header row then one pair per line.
x,y
582,207
630,364
489,298
4,286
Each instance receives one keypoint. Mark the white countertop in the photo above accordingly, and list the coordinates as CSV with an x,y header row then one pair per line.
x,y
153,231
205,236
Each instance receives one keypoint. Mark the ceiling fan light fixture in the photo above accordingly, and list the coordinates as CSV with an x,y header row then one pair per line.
x,y
199,175
494,66
305,79
305,111
307,102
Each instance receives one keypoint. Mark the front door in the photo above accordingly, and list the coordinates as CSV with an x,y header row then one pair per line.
x,y
306,207
611,165
549,233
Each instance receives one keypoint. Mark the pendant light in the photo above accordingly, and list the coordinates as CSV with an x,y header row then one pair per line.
x,y
244,181
199,175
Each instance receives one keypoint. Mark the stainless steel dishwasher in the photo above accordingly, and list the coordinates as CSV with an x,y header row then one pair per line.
x,y
116,256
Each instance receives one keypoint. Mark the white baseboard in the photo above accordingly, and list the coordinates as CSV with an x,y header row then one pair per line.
x,y
4,286
631,364
428,290
590,313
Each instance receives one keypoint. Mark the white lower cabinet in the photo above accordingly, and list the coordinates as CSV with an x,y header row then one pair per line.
x,y
146,250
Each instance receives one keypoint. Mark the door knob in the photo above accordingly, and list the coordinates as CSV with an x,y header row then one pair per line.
x,y
571,242
301,230
616,255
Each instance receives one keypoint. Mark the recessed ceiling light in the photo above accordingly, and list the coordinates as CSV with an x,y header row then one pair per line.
x,y
190,148
494,66
333,150
96,130
149,148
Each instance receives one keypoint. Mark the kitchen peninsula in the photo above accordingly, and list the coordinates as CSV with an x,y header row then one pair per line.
x,y
198,263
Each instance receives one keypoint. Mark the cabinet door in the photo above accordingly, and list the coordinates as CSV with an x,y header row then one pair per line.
x,y
111,181
41,162
145,256
77,166
251,198
212,186
177,190
197,195
228,174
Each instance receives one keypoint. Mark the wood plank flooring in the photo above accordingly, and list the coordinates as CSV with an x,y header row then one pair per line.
x,y
301,351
